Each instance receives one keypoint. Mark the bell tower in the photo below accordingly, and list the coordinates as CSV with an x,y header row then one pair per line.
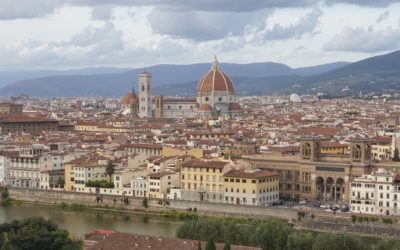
x,y
145,98
360,151
310,148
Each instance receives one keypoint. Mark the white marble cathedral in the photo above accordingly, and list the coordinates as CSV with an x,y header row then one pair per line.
x,y
215,98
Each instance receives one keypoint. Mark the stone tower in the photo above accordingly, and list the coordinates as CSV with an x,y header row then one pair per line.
x,y
360,151
145,98
310,148
158,110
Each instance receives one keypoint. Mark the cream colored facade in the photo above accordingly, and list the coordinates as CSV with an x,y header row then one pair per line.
x,y
382,150
175,151
69,177
203,180
251,187
159,183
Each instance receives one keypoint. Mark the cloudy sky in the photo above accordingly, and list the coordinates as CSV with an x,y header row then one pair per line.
x,y
60,34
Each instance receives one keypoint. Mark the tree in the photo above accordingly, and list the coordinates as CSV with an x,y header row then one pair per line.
x,y
388,245
35,233
110,168
199,246
338,241
227,246
300,241
210,245
396,156
145,203
4,194
272,234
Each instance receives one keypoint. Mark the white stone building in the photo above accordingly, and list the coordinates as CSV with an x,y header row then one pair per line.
x,y
139,186
25,167
215,97
377,193
5,167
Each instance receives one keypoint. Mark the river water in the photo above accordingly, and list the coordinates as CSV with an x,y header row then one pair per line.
x,y
80,222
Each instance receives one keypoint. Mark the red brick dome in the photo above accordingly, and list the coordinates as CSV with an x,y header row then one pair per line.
x,y
127,100
215,80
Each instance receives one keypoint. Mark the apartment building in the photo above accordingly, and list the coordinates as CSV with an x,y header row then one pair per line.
x,y
78,172
251,187
377,193
203,180
159,183
25,167
382,148
139,186
5,157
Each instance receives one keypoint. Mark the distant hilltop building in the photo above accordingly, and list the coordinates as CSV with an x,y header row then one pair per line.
x,y
215,98
295,98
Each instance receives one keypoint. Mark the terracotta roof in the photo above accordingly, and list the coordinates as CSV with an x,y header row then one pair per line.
x,y
205,107
320,131
256,174
139,145
215,80
205,164
383,139
117,241
127,100
27,119
234,106
161,174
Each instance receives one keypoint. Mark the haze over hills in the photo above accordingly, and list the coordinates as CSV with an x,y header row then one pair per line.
x,y
12,76
380,73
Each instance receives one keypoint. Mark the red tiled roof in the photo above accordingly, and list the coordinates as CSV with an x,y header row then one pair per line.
x,y
205,164
215,80
126,241
241,173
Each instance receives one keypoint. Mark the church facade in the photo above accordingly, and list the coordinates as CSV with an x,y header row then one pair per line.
x,y
215,98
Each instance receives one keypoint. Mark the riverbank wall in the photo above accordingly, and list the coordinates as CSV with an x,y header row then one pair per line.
x,y
155,205
308,219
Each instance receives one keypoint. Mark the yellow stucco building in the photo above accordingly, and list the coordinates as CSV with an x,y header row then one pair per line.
x,y
251,187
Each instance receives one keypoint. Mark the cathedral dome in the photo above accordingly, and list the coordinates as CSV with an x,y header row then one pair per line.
x,y
129,98
215,80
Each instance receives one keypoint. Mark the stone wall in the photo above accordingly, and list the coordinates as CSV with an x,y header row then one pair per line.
x,y
314,220
45,196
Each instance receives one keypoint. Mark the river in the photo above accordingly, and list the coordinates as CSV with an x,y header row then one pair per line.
x,y
80,222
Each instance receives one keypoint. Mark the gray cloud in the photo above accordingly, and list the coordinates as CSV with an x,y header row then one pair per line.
x,y
365,40
102,12
382,17
100,40
14,9
200,25
306,25
373,3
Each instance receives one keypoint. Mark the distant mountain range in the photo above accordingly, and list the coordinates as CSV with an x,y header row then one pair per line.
x,y
380,73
